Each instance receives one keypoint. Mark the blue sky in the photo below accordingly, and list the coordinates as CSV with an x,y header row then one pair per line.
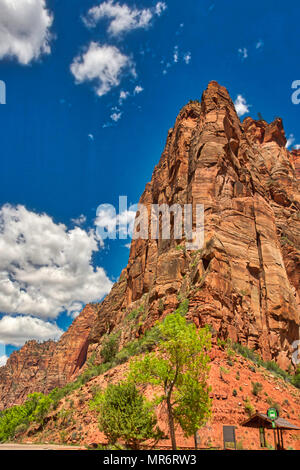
x,y
69,143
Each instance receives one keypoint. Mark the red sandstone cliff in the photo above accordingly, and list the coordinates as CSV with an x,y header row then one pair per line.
x,y
42,367
295,157
245,280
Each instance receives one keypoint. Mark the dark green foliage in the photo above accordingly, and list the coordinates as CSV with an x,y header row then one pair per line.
x,y
296,379
247,353
269,365
38,405
125,414
183,308
249,409
274,404
144,344
256,388
134,314
18,418
110,347
273,367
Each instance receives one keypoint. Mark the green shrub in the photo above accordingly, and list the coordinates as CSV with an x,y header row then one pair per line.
x,y
125,414
247,353
296,380
21,429
183,308
18,417
256,388
271,366
249,407
222,343
134,314
110,347
139,346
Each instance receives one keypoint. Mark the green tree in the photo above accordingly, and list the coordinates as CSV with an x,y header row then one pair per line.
x,y
125,414
34,409
180,365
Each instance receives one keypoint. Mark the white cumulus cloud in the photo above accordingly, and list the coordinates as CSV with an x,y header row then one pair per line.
x,y
123,18
3,360
160,7
24,29
290,140
82,218
187,58
44,267
123,96
103,65
116,116
243,52
241,105
18,330
138,89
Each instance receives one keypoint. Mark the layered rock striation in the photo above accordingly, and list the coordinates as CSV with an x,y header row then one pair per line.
x,y
40,367
245,279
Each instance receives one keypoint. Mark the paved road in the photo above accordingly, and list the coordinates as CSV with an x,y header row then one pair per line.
x,y
38,447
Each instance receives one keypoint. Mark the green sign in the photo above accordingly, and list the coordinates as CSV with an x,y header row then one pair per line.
x,y
272,413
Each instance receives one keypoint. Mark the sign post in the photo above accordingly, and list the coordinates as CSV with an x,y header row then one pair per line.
x,y
273,414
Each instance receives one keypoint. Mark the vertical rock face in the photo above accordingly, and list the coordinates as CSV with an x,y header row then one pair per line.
x,y
295,157
245,280
42,367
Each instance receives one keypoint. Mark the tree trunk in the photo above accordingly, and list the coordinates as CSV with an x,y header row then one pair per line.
x,y
196,440
171,424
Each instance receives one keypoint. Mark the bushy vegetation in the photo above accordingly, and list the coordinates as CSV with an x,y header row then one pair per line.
x,y
271,366
141,345
17,419
296,379
249,408
183,308
110,347
125,414
134,314
256,388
